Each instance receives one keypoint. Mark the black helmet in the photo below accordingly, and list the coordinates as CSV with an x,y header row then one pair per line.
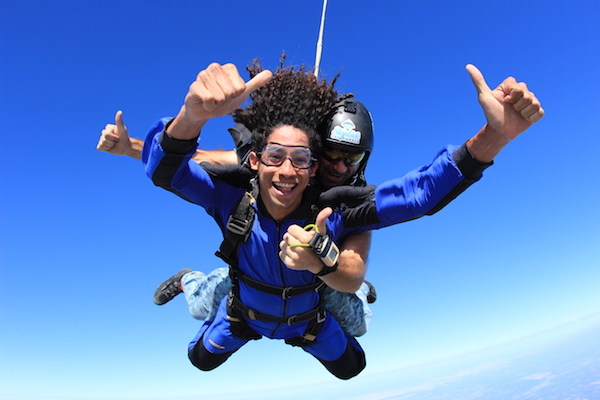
x,y
349,126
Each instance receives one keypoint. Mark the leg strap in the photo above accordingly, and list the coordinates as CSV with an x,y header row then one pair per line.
x,y
237,325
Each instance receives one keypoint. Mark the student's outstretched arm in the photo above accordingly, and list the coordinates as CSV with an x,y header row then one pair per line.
x,y
217,91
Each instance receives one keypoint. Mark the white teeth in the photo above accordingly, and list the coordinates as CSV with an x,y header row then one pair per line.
x,y
285,185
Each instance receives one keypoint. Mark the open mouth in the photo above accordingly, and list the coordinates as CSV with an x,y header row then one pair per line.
x,y
284,188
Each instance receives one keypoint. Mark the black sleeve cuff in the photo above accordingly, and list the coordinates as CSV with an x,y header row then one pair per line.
x,y
467,164
176,146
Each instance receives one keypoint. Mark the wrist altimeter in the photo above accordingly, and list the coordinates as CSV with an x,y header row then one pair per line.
x,y
327,251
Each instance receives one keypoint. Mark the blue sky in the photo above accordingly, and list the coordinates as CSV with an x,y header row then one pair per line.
x,y
86,237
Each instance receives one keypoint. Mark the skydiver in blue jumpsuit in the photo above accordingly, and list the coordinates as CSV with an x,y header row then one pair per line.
x,y
284,140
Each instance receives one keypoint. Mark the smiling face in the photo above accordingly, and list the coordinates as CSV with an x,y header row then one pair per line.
x,y
281,187
334,173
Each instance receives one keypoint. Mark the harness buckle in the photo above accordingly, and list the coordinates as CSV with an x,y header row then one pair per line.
x,y
321,316
252,314
285,293
319,286
292,320
237,226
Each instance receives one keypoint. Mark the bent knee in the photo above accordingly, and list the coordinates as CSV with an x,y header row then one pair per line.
x,y
350,364
204,360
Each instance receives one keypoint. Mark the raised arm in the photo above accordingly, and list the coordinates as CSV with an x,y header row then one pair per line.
x,y
217,91
510,109
115,139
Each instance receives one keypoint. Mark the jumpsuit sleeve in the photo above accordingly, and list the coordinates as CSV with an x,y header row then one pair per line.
x,y
168,163
422,191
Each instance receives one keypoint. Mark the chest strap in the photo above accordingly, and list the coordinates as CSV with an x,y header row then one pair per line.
x,y
283,292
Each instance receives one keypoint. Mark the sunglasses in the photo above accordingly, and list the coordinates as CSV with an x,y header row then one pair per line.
x,y
274,154
334,155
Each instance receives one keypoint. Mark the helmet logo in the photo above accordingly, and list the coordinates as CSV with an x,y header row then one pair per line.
x,y
346,132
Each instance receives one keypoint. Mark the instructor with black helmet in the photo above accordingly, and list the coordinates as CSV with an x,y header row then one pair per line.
x,y
347,136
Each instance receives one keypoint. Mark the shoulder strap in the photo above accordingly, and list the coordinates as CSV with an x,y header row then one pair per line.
x,y
239,226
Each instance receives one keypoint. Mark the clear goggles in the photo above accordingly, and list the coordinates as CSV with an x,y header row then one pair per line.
x,y
334,155
274,154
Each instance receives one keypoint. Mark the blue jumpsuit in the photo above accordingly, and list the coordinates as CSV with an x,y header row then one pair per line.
x,y
168,163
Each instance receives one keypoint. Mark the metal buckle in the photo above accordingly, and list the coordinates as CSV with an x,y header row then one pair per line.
x,y
285,293
320,286
321,316
292,320
236,226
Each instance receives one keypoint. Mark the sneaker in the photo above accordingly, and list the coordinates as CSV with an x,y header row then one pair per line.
x,y
170,288
372,296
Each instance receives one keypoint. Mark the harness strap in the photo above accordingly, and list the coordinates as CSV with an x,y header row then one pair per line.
x,y
313,328
310,334
317,314
238,326
283,292
239,226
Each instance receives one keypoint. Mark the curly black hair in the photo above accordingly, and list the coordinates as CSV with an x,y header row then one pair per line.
x,y
295,97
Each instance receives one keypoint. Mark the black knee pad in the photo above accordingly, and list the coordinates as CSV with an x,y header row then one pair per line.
x,y
350,364
204,359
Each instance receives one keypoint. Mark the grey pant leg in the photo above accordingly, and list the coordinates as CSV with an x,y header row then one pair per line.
x,y
350,310
205,292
